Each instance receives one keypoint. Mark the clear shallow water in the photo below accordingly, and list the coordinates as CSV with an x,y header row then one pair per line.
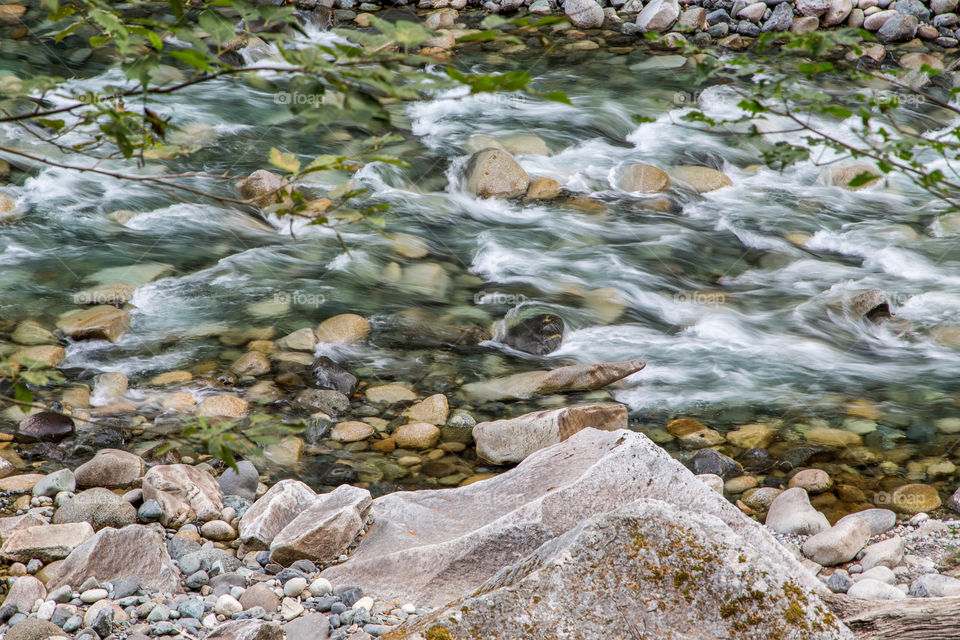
x,y
735,317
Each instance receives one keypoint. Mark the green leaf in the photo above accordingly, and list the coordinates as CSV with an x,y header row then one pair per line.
x,y
285,161
56,125
217,26
193,58
863,178
22,395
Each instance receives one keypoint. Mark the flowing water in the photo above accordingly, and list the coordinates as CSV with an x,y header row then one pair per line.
x,y
736,299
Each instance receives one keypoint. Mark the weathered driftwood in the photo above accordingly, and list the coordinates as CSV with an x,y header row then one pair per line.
x,y
911,619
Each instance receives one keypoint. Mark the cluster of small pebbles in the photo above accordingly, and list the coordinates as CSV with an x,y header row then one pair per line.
x,y
173,551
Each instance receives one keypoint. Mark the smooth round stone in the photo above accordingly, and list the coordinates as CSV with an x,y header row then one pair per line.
x,y
881,573
875,590
933,585
791,513
294,587
880,520
838,544
860,426
320,587
947,425
45,426
93,595
227,605
353,431
761,498
811,480
912,498
150,511
191,609
218,530
365,602
712,480
54,483
416,435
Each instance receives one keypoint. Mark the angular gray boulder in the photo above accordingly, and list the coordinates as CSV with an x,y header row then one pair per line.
x,y
323,531
432,547
644,570
184,493
513,439
118,553
273,511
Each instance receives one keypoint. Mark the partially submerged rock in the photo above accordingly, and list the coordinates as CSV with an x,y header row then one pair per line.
x,y
581,377
537,335
102,322
493,173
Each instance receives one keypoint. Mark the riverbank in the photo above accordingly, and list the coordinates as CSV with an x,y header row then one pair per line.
x,y
121,547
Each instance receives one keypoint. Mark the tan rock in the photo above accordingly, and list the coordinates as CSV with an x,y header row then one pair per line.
x,y
182,401
909,499
493,173
23,483
300,340
285,453
171,377
111,468
30,333
582,377
416,435
346,328
111,293
252,363
543,189
353,431
702,179
645,178
42,355
389,394
843,176
433,410
103,322
751,436
222,406
693,433
827,437
811,480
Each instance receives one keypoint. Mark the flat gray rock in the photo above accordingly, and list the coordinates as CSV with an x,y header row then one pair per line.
x,y
117,553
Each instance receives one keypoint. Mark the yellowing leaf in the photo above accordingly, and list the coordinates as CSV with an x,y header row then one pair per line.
x,y
285,161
